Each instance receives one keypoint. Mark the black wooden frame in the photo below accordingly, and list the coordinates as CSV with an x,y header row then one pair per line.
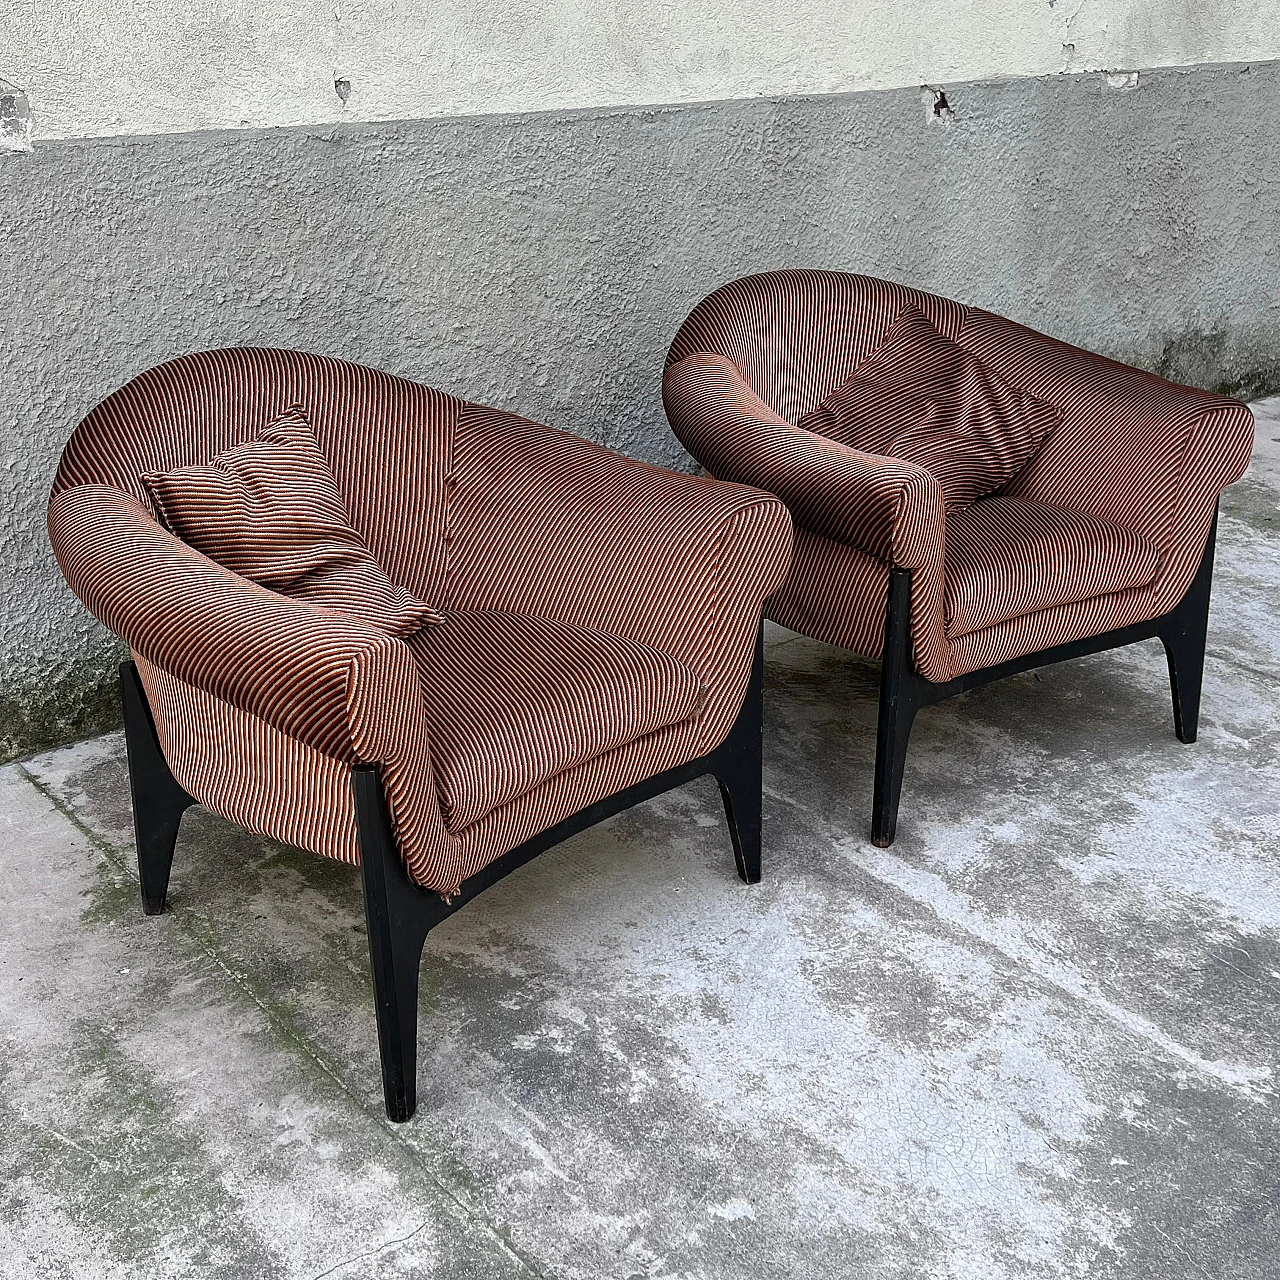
x,y
903,692
398,913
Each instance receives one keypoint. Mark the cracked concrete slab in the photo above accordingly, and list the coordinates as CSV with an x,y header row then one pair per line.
x,y
1036,1038
158,1120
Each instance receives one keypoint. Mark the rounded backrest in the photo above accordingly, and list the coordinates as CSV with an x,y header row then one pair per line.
x,y
387,440
797,335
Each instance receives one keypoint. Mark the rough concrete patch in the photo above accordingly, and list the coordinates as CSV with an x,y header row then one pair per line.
x,y
141,1137
1266,449
15,118
629,1079
1033,793
82,701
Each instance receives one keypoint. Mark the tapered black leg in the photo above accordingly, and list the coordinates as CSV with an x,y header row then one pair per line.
x,y
738,770
398,918
898,707
1184,634
158,800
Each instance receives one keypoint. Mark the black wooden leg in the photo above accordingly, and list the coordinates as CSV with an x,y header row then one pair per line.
x,y
158,801
398,915
1184,634
898,707
738,770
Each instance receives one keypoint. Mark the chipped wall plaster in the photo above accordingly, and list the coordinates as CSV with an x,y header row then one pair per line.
x,y
148,66
15,118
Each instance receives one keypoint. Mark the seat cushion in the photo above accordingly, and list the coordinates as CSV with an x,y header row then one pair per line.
x,y
924,398
270,510
514,700
1006,558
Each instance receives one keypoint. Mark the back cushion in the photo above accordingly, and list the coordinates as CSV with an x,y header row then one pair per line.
x,y
797,335
387,440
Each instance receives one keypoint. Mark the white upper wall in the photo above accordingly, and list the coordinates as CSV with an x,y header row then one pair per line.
x,y
158,66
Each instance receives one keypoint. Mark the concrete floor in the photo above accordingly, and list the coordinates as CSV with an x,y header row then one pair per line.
x,y
1036,1038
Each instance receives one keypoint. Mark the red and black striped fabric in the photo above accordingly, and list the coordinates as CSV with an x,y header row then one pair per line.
x,y
270,510
1007,557
599,613
574,693
925,399
1129,475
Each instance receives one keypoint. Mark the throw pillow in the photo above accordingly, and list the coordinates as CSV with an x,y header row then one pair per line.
x,y
270,510
923,398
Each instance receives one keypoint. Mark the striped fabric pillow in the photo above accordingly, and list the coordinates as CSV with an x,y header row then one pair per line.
x,y
925,399
270,510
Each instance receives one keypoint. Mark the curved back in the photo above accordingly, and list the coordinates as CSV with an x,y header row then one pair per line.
x,y
387,440
1131,448
797,335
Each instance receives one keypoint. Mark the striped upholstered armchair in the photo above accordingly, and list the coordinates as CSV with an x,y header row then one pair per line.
x,y
972,498
477,634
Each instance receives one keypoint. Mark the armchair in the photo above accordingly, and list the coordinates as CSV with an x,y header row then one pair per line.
x,y
600,642
1104,538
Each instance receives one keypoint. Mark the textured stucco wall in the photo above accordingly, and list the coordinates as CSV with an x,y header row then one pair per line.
x,y
542,263
153,66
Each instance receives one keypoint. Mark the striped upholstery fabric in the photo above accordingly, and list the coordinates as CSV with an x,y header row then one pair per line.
x,y
270,510
590,537
765,325
1144,457
1007,557
264,702
925,399
514,700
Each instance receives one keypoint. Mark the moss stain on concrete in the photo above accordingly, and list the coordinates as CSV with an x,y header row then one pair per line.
x,y
1214,360
80,704
132,1146
202,944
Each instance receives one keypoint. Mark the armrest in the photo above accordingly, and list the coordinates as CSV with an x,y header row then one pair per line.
x,y
326,680
547,523
886,507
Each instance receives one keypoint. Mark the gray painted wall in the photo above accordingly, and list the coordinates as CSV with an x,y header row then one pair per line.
x,y
542,262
